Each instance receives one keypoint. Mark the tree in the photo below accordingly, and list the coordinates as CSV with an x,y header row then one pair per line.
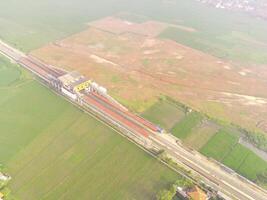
x,y
165,195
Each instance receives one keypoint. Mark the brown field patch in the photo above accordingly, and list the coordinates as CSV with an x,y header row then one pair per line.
x,y
202,133
137,69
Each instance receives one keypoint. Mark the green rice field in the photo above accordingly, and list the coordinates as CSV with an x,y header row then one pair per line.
x,y
252,167
236,157
183,128
225,148
53,150
219,145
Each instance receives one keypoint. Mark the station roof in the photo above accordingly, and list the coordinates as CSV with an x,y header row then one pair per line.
x,y
72,79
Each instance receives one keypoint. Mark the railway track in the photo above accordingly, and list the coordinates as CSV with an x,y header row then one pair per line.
x,y
117,116
55,73
142,123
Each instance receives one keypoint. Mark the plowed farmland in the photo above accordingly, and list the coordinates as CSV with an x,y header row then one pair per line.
x,y
137,68
54,151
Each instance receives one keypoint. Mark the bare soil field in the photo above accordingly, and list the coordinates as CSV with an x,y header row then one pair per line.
x,y
119,26
137,68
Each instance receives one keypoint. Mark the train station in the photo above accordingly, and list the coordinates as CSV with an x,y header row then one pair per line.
x,y
72,83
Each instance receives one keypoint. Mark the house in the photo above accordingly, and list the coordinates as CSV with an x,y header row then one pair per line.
x,y
194,193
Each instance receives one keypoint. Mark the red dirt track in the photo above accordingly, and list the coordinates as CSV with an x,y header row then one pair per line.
x,y
137,118
122,120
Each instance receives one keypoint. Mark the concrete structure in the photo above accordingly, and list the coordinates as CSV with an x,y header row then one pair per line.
x,y
72,83
99,89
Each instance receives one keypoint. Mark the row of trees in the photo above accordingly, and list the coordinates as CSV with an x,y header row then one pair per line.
x,y
257,139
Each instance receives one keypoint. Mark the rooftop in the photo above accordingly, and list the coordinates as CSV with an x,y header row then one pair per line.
x,y
197,194
72,79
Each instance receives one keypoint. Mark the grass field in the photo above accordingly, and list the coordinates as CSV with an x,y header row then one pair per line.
x,y
30,24
236,157
201,135
54,151
183,128
223,34
231,45
253,166
219,145
245,162
8,73
164,113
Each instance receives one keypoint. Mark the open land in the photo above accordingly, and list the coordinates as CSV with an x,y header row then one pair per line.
x,y
128,62
55,151
27,25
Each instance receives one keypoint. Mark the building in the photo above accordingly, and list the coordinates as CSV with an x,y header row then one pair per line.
x,y
72,83
194,193
181,193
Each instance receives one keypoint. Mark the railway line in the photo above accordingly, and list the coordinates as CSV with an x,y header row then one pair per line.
x,y
124,121
135,119
219,179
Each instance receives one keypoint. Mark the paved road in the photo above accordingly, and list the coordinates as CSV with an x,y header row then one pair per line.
x,y
224,182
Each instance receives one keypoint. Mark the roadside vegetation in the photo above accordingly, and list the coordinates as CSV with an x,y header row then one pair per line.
x,y
169,194
257,139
